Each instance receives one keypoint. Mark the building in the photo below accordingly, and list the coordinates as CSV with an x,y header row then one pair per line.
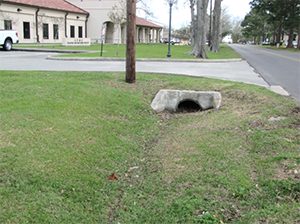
x,y
146,31
50,21
44,21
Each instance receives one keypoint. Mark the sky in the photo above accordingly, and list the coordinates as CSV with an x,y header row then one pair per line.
x,y
181,14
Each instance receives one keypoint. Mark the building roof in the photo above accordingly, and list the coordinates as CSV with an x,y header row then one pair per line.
x,y
50,4
143,22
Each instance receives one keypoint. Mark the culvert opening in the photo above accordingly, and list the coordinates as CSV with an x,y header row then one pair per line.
x,y
188,106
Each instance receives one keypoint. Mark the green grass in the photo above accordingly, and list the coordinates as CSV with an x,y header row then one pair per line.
x,y
281,48
64,133
143,51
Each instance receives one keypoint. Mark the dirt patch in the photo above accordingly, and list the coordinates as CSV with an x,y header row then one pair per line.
x,y
296,110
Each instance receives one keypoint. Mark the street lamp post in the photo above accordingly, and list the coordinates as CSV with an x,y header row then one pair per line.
x,y
171,2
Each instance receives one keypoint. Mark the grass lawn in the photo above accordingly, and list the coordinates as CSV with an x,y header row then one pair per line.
x,y
281,48
63,135
142,51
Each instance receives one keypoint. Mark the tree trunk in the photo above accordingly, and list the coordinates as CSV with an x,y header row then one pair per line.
x,y
279,32
298,44
291,36
193,25
199,50
215,46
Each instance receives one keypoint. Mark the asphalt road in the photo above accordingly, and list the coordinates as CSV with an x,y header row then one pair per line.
x,y
276,67
234,71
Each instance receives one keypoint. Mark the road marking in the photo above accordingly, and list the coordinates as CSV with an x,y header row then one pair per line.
x,y
294,59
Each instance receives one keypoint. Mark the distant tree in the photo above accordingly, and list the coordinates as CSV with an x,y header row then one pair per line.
x,y
182,33
118,16
253,25
285,14
225,23
236,31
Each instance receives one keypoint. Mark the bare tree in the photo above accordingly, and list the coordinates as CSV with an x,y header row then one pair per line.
x,y
225,26
39,25
198,50
143,6
215,46
118,16
59,22
236,32
6,16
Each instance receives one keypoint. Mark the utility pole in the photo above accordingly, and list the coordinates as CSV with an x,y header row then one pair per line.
x,y
130,41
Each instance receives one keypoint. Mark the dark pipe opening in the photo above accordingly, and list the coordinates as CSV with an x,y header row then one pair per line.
x,y
188,106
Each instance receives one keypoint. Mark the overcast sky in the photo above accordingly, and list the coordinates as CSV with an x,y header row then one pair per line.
x,y
181,14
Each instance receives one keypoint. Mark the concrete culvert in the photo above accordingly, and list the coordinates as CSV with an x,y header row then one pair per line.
x,y
188,106
185,100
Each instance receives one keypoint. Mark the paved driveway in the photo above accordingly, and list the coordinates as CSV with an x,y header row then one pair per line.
x,y
235,71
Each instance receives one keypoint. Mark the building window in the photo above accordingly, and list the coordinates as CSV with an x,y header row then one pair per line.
x,y
45,31
26,30
80,32
55,32
7,25
72,31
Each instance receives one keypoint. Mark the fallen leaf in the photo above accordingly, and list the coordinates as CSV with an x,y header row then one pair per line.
x,y
221,222
113,177
216,216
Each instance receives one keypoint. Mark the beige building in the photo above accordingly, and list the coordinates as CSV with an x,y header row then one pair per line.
x,y
146,31
50,21
43,21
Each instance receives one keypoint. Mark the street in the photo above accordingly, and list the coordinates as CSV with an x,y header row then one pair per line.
x,y
233,71
275,66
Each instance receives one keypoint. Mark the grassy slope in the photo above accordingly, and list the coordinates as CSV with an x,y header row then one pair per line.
x,y
64,133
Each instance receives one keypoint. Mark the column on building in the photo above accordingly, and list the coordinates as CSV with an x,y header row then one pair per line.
x,y
158,31
137,34
142,35
123,34
147,33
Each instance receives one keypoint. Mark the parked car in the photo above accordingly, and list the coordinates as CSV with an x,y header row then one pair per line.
x,y
295,43
164,40
8,38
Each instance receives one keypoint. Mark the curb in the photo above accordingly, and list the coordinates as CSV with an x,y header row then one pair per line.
x,y
146,59
51,50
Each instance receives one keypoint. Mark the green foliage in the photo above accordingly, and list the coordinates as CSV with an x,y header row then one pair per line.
x,y
273,15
